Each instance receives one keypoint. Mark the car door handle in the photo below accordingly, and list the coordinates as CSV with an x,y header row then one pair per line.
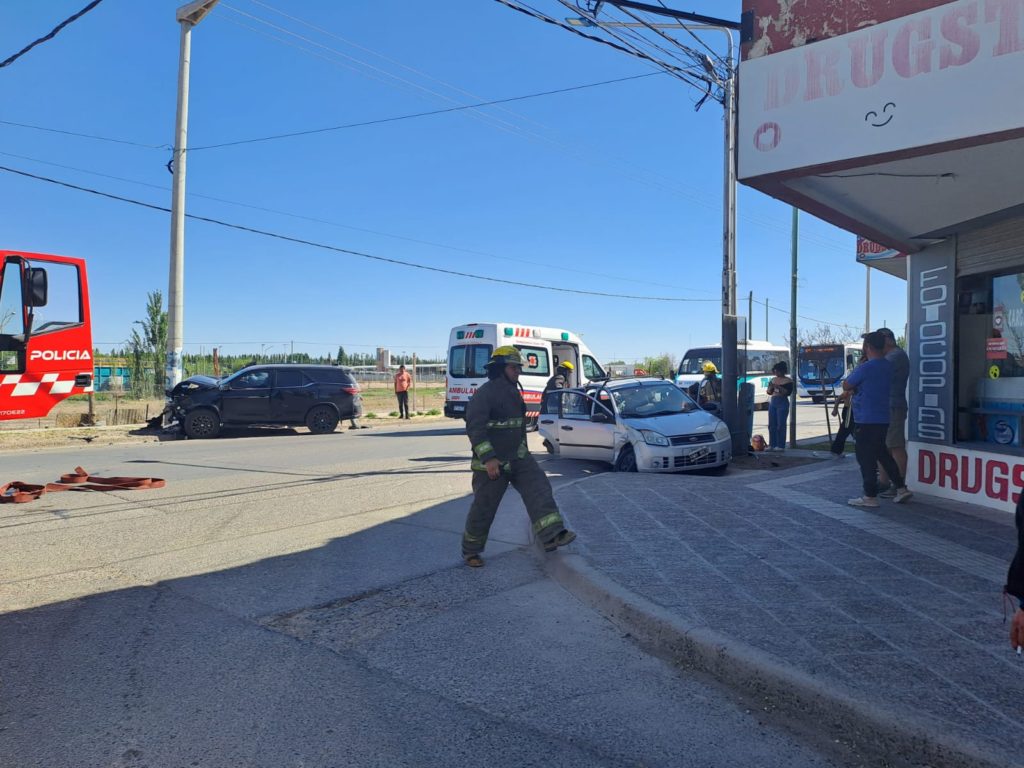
x,y
547,421
567,429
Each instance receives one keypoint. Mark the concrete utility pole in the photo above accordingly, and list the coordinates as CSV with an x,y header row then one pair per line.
x,y
188,16
867,300
730,401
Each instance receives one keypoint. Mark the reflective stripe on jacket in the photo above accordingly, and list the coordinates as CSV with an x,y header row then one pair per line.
x,y
496,423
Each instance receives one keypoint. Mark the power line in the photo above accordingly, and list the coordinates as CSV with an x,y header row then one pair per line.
x,y
424,114
674,71
85,135
350,252
50,35
316,220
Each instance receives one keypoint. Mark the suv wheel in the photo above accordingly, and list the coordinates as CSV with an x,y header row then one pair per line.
x,y
322,419
201,424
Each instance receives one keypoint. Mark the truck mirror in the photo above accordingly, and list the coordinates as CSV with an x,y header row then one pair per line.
x,y
36,279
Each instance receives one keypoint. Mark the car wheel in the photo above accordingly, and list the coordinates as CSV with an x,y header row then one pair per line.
x,y
549,447
201,424
626,461
322,419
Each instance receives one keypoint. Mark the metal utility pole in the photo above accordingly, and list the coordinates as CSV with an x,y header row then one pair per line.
x,y
867,300
188,16
793,351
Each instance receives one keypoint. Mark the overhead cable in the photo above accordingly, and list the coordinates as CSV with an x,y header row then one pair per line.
x,y
675,71
85,135
364,230
422,114
49,35
348,251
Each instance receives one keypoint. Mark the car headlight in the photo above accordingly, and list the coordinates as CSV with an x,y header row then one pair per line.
x,y
653,438
722,431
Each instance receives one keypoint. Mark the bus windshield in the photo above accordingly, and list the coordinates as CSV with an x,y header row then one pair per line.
x,y
695,359
834,367
748,361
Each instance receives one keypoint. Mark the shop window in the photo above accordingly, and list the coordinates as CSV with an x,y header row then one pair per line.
x,y
991,359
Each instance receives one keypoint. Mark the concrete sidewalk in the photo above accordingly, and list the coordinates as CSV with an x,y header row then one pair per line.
x,y
884,628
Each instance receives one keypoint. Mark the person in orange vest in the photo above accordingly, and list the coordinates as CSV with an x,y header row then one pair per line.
x,y
402,383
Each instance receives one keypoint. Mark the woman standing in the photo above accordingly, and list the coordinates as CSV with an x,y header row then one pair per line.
x,y
779,390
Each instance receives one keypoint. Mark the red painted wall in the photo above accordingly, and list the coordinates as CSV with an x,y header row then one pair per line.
x,y
783,24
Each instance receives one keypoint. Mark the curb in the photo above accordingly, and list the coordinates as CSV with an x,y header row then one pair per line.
x,y
894,738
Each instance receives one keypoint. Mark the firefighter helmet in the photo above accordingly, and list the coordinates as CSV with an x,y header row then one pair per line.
x,y
710,367
567,364
506,356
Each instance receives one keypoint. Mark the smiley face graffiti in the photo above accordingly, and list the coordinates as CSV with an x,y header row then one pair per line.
x,y
878,121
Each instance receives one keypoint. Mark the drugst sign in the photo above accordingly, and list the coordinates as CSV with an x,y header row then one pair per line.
x,y
937,76
976,477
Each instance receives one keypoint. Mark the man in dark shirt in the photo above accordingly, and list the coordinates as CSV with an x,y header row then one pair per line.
x,y
896,437
871,383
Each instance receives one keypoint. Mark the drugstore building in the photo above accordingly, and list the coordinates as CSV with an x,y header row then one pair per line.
x,y
903,121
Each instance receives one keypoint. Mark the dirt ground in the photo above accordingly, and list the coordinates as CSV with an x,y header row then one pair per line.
x,y
125,421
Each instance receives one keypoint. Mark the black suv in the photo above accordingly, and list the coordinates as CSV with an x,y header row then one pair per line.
x,y
318,396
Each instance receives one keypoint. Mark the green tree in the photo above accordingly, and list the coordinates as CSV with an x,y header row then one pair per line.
x,y
342,357
148,349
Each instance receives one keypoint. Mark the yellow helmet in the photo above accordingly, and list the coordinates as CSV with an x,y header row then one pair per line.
x,y
507,355
710,367
567,364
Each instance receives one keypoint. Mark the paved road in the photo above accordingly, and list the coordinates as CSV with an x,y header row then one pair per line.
x,y
290,600
810,422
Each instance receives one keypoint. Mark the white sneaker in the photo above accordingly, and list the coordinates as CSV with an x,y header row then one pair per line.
x,y
864,501
902,495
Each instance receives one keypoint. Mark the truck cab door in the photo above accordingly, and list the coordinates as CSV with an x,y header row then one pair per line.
x,y
45,334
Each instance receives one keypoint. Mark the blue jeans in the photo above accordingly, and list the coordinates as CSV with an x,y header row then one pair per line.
x,y
778,415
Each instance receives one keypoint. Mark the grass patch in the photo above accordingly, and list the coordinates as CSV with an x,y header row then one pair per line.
x,y
433,412
370,416
393,414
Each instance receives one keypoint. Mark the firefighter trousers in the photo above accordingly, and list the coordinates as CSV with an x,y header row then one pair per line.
x,y
529,479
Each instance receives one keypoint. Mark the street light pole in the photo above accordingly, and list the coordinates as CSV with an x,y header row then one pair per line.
x,y
188,16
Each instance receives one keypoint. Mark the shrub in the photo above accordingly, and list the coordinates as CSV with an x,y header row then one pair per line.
x,y
433,412
393,414
370,416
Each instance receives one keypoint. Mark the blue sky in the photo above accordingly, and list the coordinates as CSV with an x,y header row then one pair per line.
x,y
614,189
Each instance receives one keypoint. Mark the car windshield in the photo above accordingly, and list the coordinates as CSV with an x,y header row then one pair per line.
x,y
644,400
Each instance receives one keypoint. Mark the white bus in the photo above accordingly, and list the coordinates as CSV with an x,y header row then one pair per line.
x,y
470,347
821,369
754,363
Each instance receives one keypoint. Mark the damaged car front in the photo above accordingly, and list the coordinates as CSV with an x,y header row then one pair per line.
x,y
193,392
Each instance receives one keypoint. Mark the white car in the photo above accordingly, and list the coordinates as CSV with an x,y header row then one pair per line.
x,y
642,424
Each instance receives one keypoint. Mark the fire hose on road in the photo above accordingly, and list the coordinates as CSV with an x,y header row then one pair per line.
x,y
18,492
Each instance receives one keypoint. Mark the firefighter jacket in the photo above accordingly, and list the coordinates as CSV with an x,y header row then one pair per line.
x,y
710,390
558,381
1015,577
496,423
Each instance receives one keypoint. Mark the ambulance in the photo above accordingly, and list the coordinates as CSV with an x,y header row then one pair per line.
x,y
470,347
45,333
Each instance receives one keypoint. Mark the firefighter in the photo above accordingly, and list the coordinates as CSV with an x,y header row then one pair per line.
x,y
562,377
496,426
710,389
